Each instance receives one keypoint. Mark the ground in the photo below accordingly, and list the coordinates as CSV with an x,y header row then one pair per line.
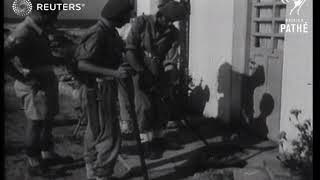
x,y
228,156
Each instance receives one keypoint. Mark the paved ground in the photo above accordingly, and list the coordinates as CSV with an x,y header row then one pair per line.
x,y
236,158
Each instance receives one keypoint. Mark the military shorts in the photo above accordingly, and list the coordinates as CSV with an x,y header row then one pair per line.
x,y
38,104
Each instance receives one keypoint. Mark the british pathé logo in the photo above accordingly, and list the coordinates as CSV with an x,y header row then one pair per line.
x,y
22,7
295,25
297,5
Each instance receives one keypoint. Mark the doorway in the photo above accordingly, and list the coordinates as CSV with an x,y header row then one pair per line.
x,y
264,67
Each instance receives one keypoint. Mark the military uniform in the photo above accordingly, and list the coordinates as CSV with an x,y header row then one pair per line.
x,y
102,47
155,50
29,43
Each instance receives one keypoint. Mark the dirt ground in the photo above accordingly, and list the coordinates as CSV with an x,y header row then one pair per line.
x,y
65,143
65,121
15,125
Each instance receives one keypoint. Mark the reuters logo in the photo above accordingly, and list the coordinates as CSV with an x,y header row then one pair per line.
x,y
22,7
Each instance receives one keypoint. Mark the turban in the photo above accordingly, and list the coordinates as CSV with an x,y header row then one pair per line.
x,y
174,11
162,2
114,9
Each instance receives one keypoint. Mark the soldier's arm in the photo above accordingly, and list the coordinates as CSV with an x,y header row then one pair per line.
x,y
133,42
86,66
12,71
61,48
172,57
12,48
133,61
89,50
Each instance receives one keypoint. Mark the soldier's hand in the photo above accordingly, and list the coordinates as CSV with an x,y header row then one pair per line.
x,y
128,68
122,73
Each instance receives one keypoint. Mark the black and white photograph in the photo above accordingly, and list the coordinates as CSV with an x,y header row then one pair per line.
x,y
158,89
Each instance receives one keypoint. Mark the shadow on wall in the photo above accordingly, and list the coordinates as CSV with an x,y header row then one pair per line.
x,y
243,118
198,97
259,124
224,90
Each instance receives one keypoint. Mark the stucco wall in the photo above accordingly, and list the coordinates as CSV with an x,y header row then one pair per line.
x,y
297,72
147,6
143,7
211,34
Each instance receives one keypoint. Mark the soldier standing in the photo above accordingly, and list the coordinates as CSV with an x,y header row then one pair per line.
x,y
101,70
151,46
36,84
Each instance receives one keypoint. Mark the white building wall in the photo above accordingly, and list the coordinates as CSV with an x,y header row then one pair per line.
x,y
143,7
297,72
211,34
147,6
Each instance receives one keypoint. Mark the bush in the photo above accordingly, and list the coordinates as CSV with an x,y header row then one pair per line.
x,y
300,160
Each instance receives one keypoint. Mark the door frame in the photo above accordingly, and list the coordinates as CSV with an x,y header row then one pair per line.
x,y
243,17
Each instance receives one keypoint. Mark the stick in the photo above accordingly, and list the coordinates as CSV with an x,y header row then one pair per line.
x,y
75,132
188,124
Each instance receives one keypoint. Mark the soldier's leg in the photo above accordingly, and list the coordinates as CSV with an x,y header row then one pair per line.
x,y
145,111
32,140
159,142
46,139
109,139
35,110
92,130
126,103
166,107
52,102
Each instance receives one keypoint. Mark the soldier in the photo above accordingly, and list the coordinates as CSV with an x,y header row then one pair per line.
x,y
151,49
101,70
36,83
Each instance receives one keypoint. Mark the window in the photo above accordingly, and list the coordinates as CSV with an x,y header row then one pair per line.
x,y
267,16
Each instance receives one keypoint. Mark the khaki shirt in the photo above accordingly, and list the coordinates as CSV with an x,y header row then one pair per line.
x,y
149,43
101,46
31,46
